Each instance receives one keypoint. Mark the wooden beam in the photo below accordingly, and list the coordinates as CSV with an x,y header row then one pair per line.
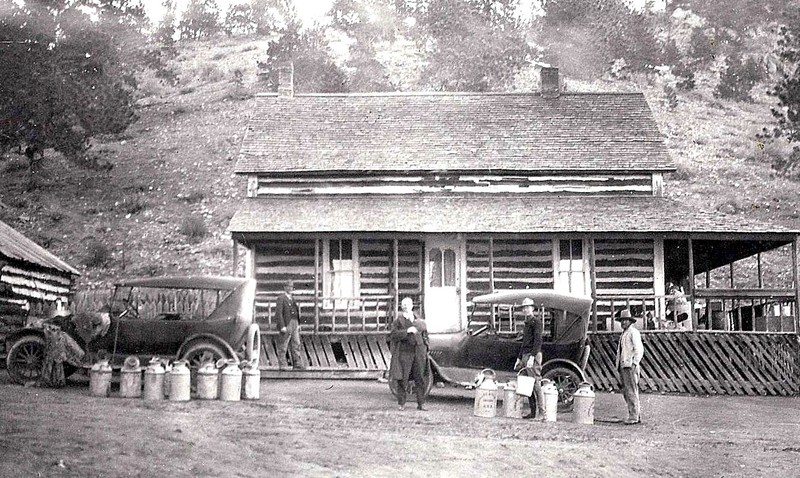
x,y
491,264
235,259
795,275
593,282
730,272
316,285
396,275
691,285
760,274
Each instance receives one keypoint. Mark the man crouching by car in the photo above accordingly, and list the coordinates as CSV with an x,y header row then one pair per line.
x,y
530,357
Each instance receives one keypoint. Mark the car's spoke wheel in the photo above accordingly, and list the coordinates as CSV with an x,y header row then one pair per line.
x,y
201,352
25,359
566,382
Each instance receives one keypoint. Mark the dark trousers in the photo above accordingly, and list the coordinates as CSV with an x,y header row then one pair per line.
x,y
418,376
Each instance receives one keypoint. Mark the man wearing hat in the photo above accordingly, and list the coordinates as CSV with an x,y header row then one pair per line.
x,y
530,357
629,355
287,315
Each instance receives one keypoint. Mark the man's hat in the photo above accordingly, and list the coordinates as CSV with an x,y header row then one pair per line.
x,y
527,301
625,314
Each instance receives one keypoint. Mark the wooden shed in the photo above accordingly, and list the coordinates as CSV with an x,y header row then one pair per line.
x,y
364,199
32,280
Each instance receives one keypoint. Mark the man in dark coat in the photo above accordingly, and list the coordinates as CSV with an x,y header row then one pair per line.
x,y
287,314
408,343
530,357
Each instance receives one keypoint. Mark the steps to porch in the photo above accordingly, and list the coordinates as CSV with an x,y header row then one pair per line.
x,y
348,355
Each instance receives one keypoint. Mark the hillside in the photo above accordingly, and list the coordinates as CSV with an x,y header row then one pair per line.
x,y
175,164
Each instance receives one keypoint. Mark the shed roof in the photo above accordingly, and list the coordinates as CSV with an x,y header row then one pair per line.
x,y
452,132
485,214
14,245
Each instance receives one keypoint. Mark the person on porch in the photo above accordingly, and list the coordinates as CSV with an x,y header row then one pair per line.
x,y
287,314
629,357
530,357
408,343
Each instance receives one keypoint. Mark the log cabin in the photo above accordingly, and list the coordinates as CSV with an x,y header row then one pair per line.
x,y
32,281
363,199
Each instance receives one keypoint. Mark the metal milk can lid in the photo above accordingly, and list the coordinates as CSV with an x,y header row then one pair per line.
x,y
101,366
180,367
585,389
232,367
131,364
155,366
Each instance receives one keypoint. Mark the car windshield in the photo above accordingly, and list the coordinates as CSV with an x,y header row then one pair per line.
x,y
151,303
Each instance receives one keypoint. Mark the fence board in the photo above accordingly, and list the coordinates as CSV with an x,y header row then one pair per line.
x,y
738,363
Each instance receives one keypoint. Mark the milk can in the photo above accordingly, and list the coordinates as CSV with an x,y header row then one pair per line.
x,y
208,381
485,394
130,378
231,381
583,411
180,388
154,380
252,380
167,369
550,393
100,379
512,402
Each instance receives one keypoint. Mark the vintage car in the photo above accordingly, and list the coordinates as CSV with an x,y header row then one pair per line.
x,y
456,358
195,318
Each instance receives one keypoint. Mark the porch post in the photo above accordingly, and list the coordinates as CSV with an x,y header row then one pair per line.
x,y
593,283
491,264
691,285
730,269
235,258
760,275
396,275
795,246
316,285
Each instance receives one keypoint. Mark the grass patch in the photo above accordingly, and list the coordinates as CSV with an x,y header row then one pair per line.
x,y
97,254
194,228
193,197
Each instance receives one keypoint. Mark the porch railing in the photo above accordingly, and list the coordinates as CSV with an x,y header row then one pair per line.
x,y
746,310
373,313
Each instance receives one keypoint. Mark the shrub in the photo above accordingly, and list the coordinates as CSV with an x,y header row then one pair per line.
x,y
739,77
672,97
702,48
685,77
134,205
194,228
682,173
97,254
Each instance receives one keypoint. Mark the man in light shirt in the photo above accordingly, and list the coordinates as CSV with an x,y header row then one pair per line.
x,y
629,357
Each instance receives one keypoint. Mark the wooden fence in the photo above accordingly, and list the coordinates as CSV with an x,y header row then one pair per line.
x,y
722,363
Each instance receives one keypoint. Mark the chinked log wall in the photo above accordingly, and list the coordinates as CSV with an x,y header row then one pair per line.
x,y
713,363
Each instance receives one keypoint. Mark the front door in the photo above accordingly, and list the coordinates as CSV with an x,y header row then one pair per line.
x,y
443,284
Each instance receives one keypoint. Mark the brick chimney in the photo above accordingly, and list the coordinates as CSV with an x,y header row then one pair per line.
x,y
286,80
550,82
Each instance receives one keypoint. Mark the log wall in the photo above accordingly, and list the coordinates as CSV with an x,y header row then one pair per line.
x,y
623,267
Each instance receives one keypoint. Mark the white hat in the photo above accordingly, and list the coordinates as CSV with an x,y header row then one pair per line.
x,y
527,301
625,314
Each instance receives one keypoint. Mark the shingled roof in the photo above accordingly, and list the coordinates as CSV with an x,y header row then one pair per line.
x,y
479,214
452,132
14,245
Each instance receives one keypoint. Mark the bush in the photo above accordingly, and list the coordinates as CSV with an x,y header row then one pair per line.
x,y
672,97
702,48
134,205
738,79
194,228
685,77
97,254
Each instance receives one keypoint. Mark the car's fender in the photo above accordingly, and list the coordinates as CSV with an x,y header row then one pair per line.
x,y
206,337
551,364
14,336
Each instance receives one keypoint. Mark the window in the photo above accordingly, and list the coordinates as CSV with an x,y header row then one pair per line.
x,y
442,267
571,277
340,268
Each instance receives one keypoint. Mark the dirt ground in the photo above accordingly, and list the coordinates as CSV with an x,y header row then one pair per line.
x,y
352,428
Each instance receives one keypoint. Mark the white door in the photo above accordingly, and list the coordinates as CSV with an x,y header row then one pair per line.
x,y
443,274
